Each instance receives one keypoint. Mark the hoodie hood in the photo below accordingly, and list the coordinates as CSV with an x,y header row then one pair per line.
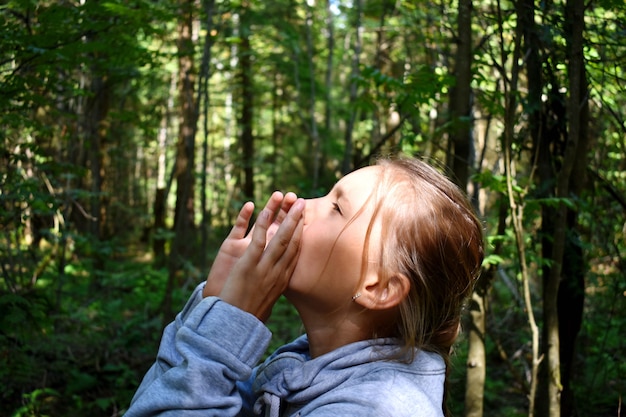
x,y
291,375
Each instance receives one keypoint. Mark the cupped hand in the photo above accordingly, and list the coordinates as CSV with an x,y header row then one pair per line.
x,y
261,275
235,244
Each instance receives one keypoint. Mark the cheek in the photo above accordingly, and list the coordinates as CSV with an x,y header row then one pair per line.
x,y
328,264
313,256
346,261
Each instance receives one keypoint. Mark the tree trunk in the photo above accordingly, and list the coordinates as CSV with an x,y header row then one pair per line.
x,y
96,117
459,160
220,206
379,58
247,106
330,49
533,70
203,99
185,150
315,137
515,203
460,106
162,191
476,362
96,113
356,50
577,98
571,294
546,155
544,137
96,109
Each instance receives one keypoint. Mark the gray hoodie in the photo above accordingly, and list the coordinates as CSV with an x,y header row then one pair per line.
x,y
205,362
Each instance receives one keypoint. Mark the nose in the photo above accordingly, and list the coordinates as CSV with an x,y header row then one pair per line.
x,y
310,210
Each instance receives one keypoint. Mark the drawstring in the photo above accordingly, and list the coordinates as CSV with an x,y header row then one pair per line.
x,y
272,405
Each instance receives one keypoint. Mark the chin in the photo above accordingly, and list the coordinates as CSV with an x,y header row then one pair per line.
x,y
294,290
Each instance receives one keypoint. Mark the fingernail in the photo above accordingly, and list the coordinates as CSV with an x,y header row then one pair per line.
x,y
299,204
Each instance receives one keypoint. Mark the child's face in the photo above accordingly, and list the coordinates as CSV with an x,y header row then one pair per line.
x,y
329,265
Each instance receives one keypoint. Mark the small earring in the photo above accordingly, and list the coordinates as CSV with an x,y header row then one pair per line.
x,y
355,296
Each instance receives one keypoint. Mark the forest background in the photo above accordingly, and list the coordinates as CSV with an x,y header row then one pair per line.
x,y
132,131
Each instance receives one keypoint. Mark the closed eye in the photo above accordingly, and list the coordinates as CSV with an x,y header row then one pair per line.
x,y
337,208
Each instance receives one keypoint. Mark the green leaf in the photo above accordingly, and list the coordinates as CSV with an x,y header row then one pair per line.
x,y
492,259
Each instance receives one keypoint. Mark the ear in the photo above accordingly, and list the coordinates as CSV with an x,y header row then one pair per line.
x,y
377,295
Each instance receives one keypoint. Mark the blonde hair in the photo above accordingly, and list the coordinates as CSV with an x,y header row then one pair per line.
x,y
431,235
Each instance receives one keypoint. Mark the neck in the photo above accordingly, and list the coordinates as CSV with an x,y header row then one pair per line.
x,y
324,338
330,330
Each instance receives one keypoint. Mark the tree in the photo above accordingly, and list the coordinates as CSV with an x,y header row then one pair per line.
x,y
347,164
184,215
573,140
246,119
523,100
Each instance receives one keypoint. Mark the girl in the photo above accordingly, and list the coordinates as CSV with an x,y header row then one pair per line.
x,y
378,270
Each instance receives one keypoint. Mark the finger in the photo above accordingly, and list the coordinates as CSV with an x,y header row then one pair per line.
x,y
243,219
259,233
274,202
288,201
283,268
290,257
293,252
283,238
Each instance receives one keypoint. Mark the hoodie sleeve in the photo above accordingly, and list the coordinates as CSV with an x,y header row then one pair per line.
x,y
208,348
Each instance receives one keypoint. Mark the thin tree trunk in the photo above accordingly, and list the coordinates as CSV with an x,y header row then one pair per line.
x,y
229,127
460,159
315,137
247,106
575,12
545,139
96,179
476,363
330,49
97,109
376,131
185,151
461,132
276,107
517,207
571,294
347,157
203,99
162,191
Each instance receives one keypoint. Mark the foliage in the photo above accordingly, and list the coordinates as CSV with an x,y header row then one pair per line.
x,y
89,350
90,115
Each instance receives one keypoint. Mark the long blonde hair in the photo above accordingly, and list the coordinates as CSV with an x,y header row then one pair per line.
x,y
430,234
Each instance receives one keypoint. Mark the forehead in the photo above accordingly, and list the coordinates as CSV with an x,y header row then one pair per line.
x,y
356,189
365,178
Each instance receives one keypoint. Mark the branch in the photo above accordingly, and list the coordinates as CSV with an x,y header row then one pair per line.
x,y
382,141
606,184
